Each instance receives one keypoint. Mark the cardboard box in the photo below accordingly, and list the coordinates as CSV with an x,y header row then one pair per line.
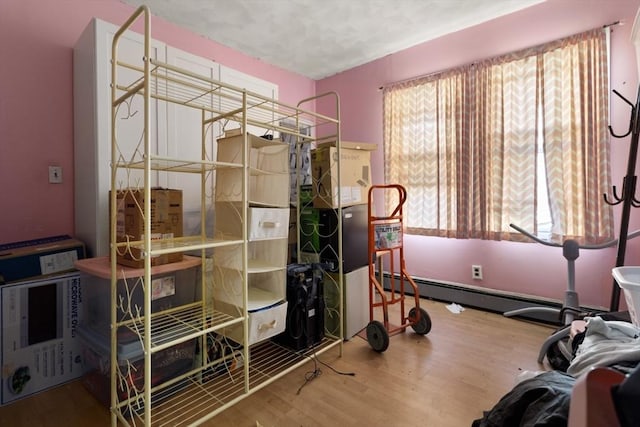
x,y
39,257
355,174
166,223
39,344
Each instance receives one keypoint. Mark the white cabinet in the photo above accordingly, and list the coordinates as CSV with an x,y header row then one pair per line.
x,y
242,81
185,139
176,129
92,128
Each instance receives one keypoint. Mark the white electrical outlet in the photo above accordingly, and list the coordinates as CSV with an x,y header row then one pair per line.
x,y
55,175
476,272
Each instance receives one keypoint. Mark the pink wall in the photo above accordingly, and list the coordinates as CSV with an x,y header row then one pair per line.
x,y
36,103
36,123
516,267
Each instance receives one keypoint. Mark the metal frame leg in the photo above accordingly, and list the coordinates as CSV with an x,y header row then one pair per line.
x,y
552,339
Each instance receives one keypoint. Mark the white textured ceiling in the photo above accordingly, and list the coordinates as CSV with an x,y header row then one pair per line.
x,y
319,38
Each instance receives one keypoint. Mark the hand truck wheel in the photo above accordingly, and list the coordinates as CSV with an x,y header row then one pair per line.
x,y
377,336
422,326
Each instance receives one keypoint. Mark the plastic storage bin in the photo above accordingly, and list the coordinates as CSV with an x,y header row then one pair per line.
x,y
171,288
629,280
166,364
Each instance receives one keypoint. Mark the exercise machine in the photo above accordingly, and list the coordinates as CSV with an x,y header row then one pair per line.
x,y
570,309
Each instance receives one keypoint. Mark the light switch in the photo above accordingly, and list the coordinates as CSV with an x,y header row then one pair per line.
x,y
55,175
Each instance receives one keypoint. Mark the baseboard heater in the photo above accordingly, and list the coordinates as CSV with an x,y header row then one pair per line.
x,y
487,299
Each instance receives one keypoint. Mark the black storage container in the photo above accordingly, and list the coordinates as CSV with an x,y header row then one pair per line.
x,y
305,309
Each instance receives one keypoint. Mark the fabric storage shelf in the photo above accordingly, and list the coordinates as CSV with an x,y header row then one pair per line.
x,y
263,324
264,255
268,171
262,223
264,288
266,155
268,223
262,187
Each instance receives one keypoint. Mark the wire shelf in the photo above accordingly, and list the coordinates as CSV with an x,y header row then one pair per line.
x,y
202,394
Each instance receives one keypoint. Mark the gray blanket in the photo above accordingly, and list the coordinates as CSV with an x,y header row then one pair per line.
x,y
606,343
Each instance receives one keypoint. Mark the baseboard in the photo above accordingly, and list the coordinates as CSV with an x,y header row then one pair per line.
x,y
489,300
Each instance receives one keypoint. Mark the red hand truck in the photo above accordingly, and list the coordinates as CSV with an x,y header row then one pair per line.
x,y
386,248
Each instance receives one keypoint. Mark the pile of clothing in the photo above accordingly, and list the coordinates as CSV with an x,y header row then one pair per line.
x,y
605,343
543,400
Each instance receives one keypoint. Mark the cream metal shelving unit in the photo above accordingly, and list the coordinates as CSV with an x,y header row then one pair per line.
x,y
205,390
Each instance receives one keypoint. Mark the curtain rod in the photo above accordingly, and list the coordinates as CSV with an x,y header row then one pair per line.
x,y
613,24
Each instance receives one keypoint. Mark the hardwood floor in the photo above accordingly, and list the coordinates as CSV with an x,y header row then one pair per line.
x,y
445,378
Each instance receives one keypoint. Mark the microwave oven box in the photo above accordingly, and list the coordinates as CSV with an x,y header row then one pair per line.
x,y
166,223
40,345
355,174
40,257
96,355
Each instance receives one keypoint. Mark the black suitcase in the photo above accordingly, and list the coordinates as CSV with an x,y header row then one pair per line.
x,y
305,307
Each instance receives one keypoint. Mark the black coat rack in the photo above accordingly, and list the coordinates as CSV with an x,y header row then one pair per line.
x,y
627,198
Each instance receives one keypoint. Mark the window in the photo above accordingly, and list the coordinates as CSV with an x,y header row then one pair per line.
x,y
518,139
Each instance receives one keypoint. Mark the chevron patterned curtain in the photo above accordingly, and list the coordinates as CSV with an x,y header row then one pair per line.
x,y
426,150
504,146
466,143
575,93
